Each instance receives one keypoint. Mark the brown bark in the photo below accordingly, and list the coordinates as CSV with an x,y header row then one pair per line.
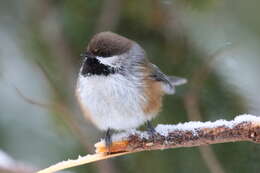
x,y
244,131
243,128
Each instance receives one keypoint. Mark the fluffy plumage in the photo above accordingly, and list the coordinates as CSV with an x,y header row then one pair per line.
x,y
118,87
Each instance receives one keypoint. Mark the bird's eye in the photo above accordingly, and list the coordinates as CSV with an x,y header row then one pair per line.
x,y
87,55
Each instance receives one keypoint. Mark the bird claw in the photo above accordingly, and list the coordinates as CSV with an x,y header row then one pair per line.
x,y
151,131
108,141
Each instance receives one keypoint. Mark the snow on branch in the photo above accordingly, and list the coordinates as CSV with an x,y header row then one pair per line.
x,y
190,134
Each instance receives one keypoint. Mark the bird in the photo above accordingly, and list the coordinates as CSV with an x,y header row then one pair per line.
x,y
118,88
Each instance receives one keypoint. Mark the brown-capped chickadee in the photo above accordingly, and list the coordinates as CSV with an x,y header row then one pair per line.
x,y
118,88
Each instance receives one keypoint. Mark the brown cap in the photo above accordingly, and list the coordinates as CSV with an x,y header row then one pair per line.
x,y
108,44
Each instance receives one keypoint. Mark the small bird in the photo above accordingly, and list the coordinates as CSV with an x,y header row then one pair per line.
x,y
118,88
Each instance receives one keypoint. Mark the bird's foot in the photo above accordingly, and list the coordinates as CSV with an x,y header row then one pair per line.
x,y
108,140
151,131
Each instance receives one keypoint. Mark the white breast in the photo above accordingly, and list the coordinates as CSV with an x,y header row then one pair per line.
x,y
113,101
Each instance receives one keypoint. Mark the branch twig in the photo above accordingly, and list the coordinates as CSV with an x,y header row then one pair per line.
x,y
190,134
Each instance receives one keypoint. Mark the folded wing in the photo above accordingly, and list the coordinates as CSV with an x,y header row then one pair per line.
x,y
168,82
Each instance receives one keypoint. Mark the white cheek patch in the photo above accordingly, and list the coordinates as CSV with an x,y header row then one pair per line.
x,y
112,61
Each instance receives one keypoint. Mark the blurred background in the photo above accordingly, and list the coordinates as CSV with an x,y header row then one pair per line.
x,y
214,44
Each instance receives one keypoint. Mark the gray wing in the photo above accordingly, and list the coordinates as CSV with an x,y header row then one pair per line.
x,y
169,82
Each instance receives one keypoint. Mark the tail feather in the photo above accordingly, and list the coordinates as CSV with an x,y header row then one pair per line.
x,y
175,81
172,81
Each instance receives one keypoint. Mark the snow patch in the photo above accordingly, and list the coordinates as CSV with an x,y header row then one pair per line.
x,y
125,135
193,126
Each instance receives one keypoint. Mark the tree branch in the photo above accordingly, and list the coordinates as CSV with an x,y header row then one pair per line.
x,y
190,134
